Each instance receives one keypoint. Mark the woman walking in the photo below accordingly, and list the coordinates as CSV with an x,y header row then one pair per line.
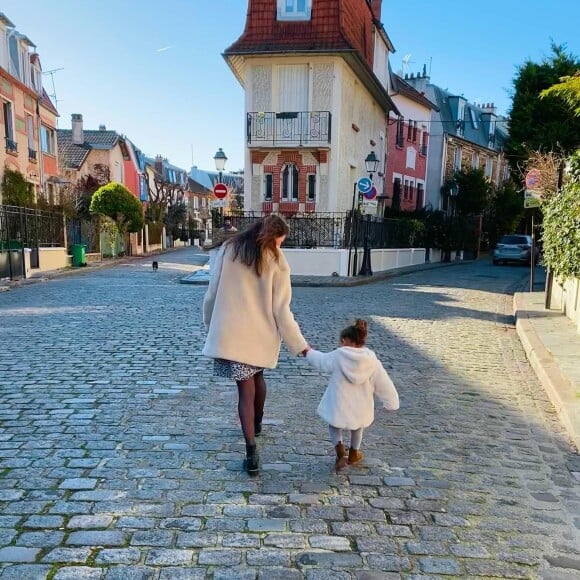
x,y
246,311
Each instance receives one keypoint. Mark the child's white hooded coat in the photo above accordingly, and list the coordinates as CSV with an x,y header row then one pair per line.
x,y
356,374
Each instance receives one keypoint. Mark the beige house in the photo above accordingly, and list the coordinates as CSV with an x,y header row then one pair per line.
x,y
317,101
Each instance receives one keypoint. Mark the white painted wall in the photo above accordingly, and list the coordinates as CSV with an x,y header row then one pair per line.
x,y
335,88
565,296
329,262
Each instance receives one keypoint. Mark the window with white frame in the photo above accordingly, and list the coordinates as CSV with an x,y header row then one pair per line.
x,y
8,125
420,194
290,182
475,160
47,140
489,167
457,159
473,118
196,203
268,185
294,9
311,187
3,49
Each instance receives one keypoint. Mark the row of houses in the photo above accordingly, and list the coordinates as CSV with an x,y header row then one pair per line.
x,y
321,96
61,163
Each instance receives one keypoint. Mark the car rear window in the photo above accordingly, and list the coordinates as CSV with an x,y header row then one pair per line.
x,y
514,240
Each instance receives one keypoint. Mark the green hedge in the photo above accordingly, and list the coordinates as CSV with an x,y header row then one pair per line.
x,y
561,236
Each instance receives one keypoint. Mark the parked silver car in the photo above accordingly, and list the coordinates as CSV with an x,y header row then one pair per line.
x,y
514,248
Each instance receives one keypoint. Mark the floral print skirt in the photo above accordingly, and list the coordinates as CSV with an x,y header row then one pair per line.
x,y
229,369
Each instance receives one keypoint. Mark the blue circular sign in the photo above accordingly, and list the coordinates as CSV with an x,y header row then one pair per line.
x,y
364,185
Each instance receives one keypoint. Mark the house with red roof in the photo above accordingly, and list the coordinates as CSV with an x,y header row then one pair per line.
x,y
317,84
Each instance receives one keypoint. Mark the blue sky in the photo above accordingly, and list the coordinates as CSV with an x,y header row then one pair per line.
x,y
185,97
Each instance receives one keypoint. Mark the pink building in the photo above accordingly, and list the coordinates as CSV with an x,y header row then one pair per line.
x,y
408,147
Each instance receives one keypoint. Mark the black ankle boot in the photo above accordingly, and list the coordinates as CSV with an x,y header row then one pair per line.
x,y
251,463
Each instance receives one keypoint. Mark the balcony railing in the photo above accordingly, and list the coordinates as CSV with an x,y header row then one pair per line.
x,y
423,150
31,154
11,146
289,128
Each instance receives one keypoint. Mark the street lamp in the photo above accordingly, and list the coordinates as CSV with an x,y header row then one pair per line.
x,y
371,165
452,192
220,164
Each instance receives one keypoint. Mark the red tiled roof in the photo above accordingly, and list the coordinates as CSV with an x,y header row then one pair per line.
x,y
47,103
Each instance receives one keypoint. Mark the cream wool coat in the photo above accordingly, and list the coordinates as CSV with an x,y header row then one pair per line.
x,y
246,315
356,374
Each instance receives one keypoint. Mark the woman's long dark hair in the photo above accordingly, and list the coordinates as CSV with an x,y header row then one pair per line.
x,y
252,245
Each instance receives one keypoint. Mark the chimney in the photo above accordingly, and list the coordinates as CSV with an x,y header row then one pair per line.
x,y
159,164
376,8
102,128
490,108
419,82
78,136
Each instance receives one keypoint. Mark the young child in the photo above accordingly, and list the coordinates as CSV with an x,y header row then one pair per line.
x,y
356,374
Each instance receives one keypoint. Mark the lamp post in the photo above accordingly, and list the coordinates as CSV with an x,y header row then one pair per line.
x,y
452,192
220,160
371,166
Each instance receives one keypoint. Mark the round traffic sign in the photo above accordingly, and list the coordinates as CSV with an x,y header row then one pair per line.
x,y
371,194
533,179
220,190
364,185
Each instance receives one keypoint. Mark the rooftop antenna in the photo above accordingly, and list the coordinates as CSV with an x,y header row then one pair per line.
x,y
53,94
406,62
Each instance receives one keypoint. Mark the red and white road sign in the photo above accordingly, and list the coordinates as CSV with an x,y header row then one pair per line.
x,y
533,178
220,190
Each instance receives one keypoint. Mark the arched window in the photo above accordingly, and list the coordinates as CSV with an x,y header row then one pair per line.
x,y
290,182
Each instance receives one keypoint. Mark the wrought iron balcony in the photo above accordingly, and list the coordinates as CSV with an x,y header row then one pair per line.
x,y
289,129
11,146
31,154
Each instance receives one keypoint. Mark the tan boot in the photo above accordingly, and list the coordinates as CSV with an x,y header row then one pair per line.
x,y
355,456
341,457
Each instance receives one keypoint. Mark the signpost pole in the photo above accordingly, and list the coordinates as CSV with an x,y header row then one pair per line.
x,y
533,256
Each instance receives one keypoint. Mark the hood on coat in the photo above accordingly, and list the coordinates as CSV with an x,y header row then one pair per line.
x,y
356,364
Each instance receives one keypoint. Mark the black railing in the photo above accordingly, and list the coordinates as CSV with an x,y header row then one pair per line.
x,y
289,128
22,227
31,154
11,146
338,230
423,150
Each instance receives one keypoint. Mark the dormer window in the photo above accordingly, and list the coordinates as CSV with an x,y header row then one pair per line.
x,y
294,9
474,118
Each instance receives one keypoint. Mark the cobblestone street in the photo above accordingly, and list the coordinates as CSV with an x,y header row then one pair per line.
x,y
121,456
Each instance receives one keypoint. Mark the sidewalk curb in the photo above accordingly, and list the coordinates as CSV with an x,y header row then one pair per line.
x,y
557,386
66,272
344,282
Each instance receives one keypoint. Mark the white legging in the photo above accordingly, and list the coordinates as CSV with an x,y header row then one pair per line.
x,y
355,436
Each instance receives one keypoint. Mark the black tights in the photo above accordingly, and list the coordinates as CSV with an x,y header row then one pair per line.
x,y
251,399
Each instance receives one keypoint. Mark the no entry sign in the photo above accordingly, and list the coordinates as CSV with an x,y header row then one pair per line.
x,y
220,190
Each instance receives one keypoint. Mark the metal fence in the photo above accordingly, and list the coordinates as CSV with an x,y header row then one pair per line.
x,y
22,228
31,228
338,230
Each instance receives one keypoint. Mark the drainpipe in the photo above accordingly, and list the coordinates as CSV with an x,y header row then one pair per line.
x,y
39,151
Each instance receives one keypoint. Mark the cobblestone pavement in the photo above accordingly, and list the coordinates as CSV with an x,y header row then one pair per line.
x,y
120,455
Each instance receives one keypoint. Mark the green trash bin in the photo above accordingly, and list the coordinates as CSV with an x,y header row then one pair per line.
x,y
79,257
